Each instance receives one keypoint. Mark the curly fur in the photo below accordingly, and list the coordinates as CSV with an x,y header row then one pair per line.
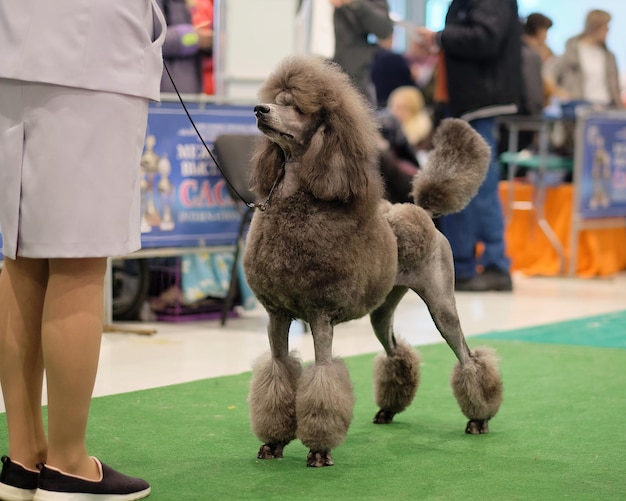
x,y
346,140
477,386
442,188
396,378
272,398
324,405
328,249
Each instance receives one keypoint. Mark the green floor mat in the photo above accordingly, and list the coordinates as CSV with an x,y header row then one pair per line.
x,y
607,331
559,435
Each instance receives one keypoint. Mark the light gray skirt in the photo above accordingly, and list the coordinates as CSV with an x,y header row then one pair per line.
x,y
69,171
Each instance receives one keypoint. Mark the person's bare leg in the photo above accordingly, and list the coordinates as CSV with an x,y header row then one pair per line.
x,y
71,335
22,289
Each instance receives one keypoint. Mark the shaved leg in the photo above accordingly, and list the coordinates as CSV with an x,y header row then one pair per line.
x,y
71,336
22,290
382,319
435,285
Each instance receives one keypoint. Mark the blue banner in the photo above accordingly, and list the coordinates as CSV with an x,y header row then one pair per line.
x,y
185,200
602,176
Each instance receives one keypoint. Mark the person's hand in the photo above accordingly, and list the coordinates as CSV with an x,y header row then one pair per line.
x,y
426,37
205,38
205,35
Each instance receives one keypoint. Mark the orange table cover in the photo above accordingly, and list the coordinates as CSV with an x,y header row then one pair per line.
x,y
601,252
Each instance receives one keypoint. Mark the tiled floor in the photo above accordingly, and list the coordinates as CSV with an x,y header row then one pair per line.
x,y
181,352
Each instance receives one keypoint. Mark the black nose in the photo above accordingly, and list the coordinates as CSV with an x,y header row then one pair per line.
x,y
261,109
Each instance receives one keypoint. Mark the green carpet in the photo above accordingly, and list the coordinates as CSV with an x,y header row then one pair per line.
x,y
559,434
608,331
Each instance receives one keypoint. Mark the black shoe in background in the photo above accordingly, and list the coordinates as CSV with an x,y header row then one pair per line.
x,y
497,279
477,283
492,279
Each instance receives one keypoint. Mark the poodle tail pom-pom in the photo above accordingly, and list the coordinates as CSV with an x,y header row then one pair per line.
x,y
455,170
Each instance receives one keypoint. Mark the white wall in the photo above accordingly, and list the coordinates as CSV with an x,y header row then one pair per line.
x,y
253,36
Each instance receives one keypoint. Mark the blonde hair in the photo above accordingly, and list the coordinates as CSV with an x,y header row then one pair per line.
x,y
596,19
419,124
410,97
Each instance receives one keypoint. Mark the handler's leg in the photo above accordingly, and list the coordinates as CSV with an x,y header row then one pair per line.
x,y
22,289
71,335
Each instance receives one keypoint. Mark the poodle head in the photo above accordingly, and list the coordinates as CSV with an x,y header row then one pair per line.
x,y
312,115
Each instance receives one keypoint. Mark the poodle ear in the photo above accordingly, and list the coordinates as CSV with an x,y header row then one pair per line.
x,y
330,171
266,165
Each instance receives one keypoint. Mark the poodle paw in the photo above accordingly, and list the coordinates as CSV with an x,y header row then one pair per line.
x,y
316,459
384,417
477,426
271,451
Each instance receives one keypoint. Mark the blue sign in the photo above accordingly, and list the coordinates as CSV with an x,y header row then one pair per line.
x,y
185,199
602,176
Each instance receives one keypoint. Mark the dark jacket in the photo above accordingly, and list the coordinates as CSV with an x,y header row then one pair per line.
x,y
353,52
481,41
389,71
532,91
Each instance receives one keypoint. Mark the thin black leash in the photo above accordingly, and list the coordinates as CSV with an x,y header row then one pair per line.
x,y
250,205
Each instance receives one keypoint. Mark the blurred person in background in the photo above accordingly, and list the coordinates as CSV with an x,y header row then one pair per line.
x,y
422,62
480,79
202,17
535,34
398,162
354,21
406,103
389,71
181,50
587,70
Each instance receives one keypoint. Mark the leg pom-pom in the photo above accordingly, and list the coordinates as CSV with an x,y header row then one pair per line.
x,y
272,402
396,379
477,387
324,406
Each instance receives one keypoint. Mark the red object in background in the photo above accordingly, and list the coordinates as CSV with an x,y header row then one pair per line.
x,y
202,15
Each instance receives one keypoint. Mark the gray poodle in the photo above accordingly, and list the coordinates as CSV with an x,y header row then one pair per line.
x,y
326,248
